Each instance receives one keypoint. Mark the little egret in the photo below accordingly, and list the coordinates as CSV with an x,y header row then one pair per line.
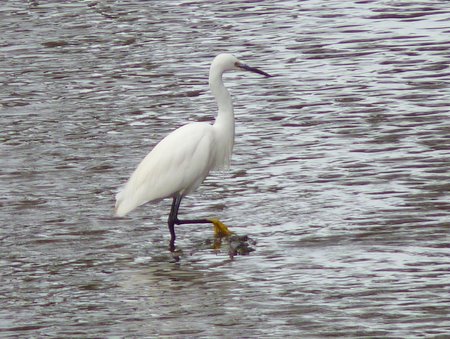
x,y
180,162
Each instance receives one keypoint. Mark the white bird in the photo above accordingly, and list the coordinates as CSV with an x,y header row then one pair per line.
x,y
180,162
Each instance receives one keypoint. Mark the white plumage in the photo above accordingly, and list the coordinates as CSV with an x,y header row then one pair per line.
x,y
178,164
181,161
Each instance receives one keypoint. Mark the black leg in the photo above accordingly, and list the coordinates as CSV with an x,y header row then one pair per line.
x,y
173,220
193,221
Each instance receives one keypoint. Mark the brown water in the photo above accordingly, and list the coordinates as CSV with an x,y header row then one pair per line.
x,y
340,172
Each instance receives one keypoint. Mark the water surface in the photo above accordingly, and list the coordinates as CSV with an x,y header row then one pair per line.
x,y
340,171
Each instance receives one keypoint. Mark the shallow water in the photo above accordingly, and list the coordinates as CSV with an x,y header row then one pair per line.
x,y
340,171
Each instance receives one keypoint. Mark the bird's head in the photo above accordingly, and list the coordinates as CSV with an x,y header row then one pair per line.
x,y
228,62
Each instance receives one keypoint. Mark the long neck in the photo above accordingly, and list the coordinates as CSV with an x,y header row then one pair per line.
x,y
224,123
223,99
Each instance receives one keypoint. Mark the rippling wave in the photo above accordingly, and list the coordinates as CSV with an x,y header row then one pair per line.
x,y
340,172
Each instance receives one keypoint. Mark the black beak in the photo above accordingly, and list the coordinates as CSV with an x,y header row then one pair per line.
x,y
252,69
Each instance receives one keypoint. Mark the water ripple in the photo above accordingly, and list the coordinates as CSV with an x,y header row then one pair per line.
x,y
340,172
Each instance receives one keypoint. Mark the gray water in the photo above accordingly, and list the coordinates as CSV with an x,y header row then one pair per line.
x,y
340,172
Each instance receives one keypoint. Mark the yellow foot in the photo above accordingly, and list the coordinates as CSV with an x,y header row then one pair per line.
x,y
220,229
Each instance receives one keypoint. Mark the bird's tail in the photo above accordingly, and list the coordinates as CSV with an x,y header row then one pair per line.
x,y
121,209
127,199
